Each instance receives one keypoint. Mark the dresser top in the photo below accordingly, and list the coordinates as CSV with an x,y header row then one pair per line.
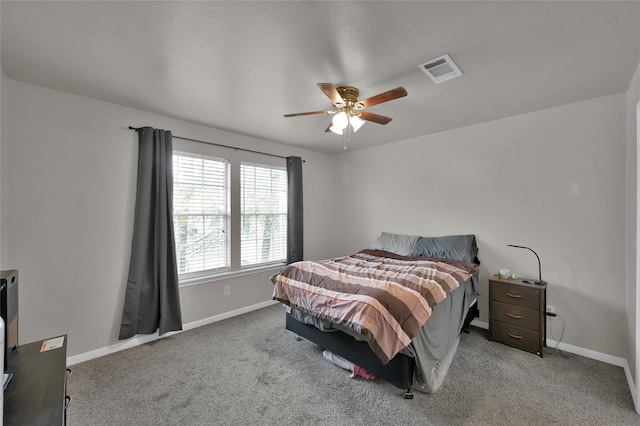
x,y
517,281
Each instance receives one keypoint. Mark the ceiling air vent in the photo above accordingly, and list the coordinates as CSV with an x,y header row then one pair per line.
x,y
441,69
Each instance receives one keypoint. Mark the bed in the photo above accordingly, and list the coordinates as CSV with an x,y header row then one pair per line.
x,y
395,309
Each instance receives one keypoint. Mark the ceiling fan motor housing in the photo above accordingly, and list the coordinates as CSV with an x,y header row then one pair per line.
x,y
350,96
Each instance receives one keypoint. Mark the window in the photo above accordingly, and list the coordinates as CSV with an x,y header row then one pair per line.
x,y
263,214
229,214
201,213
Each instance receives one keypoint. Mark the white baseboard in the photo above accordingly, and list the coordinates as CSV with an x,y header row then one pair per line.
x,y
598,356
632,388
480,324
588,353
140,340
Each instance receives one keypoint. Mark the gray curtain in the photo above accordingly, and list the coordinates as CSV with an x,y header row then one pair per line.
x,y
294,209
152,299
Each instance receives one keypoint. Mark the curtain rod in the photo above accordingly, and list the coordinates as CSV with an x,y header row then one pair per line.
x,y
220,145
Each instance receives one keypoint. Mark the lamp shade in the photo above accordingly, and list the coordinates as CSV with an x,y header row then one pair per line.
x,y
336,130
340,120
356,122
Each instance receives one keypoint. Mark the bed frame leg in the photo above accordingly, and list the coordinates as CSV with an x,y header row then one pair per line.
x,y
407,394
298,338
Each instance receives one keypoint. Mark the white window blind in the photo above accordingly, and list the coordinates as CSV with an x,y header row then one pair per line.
x,y
263,214
201,212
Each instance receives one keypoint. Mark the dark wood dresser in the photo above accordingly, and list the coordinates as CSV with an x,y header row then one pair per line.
x,y
37,393
517,313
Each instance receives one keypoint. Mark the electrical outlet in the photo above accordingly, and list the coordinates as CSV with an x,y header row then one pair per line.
x,y
551,309
227,290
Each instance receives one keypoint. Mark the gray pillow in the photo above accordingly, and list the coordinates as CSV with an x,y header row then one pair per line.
x,y
398,244
456,247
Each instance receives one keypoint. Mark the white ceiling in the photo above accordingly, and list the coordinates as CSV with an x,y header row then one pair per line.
x,y
240,66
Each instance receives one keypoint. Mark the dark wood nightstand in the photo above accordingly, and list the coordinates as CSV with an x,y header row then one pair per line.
x,y
517,314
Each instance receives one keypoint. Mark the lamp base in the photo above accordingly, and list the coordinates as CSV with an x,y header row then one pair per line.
x,y
532,281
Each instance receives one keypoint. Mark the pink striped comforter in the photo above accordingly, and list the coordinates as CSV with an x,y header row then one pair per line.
x,y
382,296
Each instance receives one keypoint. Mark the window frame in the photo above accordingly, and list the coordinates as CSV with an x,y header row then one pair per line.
x,y
235,158
185,276
283,214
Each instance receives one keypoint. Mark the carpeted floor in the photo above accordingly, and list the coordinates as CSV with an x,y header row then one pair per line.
x,y
249,370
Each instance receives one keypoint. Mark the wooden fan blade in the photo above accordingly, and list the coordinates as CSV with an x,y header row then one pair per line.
x,y
331,92
387,96
376,118
328,129
306,113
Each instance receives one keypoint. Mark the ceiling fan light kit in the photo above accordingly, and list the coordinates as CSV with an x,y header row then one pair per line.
x,y
348,110
342,119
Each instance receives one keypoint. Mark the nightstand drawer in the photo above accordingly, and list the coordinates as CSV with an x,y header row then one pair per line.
x,y
516,295
516,315
515,336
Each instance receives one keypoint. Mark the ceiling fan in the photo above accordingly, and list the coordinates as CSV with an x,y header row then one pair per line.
x,y
348,110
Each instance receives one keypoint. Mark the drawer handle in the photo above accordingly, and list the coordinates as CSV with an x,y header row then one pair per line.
x,y
515,296
69,373
510,315
67,401
515,336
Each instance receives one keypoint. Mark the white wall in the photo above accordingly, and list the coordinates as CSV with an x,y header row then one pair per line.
x,y
68,190
2,78
552,180
631,221
2,251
